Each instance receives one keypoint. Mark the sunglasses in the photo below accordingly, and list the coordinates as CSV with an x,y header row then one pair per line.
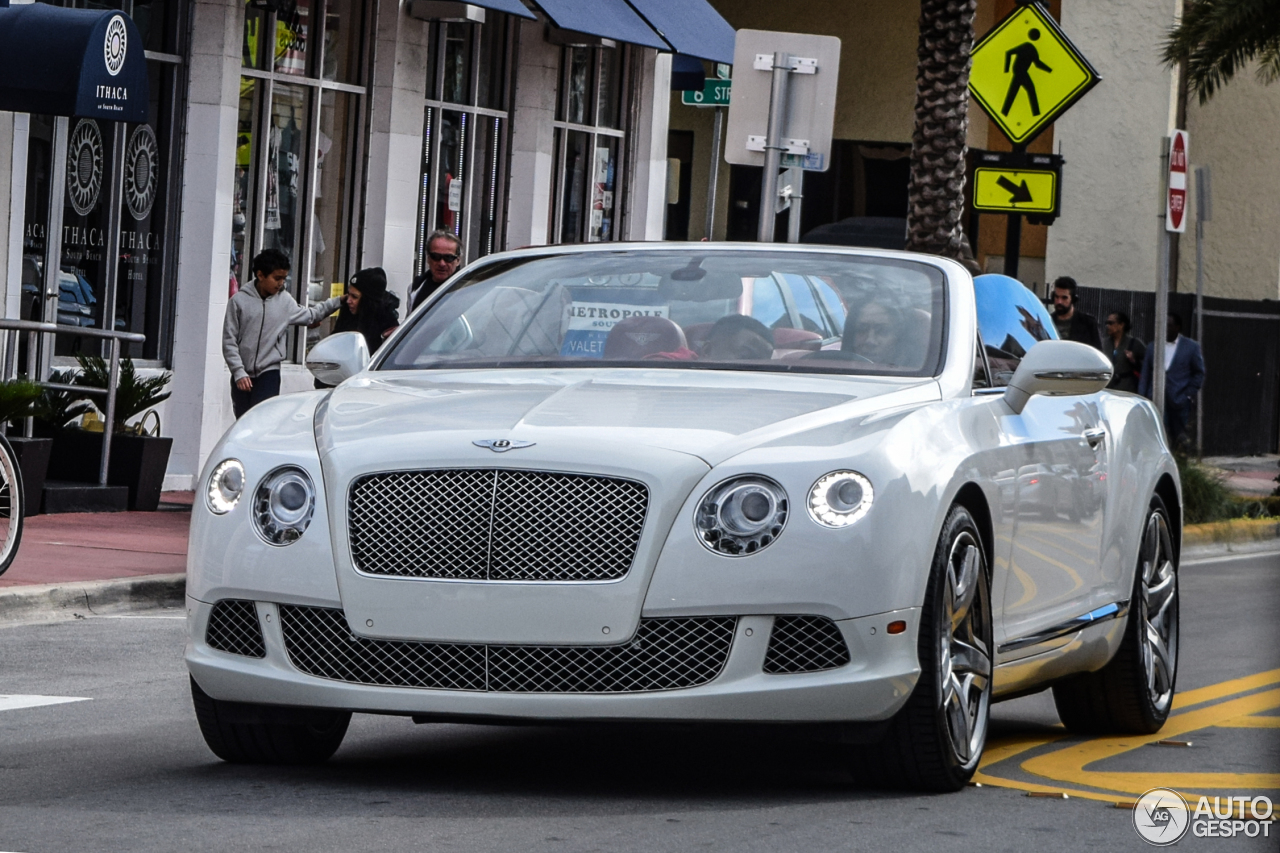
x,y
438,256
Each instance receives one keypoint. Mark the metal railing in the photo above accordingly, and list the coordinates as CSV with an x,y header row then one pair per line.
x,y
12,330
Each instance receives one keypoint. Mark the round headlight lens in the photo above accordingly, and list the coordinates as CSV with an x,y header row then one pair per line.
x,y
226,485
741,516
283,505
840,498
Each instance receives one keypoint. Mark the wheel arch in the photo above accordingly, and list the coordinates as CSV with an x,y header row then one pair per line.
x,y
1167,490
972,498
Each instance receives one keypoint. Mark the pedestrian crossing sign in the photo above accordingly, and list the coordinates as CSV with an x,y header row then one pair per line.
x,y
1026,73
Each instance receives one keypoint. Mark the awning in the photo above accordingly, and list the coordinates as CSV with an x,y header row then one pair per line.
x,y
511,7
72,62
610,19
428,10
692,27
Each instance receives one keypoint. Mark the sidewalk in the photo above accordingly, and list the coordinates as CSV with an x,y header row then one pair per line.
x,y
1248,476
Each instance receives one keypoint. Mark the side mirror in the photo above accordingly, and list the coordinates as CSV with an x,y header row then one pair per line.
x,y
338,357
1058,369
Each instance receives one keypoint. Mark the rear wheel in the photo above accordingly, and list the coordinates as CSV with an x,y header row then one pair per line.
x,y
259,734
1134,692
12,504
935,741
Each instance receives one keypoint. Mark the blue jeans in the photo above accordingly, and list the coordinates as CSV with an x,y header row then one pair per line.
x,y
265,386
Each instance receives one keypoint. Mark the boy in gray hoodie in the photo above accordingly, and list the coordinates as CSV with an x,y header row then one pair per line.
x,y
253,339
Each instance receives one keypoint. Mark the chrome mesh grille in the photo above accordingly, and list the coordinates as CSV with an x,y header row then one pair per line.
x,y
233,627
666,654
495,525
805,644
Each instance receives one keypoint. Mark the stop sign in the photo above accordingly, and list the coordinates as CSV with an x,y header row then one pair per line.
x,y
1176,205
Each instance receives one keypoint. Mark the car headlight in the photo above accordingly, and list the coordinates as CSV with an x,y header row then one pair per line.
x,y
283,505
226,484
840,498
741,516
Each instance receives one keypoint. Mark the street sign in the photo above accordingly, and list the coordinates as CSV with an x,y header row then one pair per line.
x,y
1026,73
715,93
1175,218
1015,191
811,98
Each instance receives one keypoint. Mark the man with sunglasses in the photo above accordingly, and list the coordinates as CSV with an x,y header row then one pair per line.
x,y
444,256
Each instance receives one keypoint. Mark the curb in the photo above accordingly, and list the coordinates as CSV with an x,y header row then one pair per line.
x,y
53,602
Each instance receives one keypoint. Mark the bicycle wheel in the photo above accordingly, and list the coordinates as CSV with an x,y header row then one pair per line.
x,y
12,504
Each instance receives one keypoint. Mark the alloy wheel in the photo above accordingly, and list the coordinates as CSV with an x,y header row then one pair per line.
x,y
965,659
1158,610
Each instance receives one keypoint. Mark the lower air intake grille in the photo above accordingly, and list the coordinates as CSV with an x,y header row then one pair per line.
x,y
234,628
666,654
805,644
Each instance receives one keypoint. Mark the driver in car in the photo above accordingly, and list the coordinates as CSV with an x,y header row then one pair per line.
x,y
877,333
738,338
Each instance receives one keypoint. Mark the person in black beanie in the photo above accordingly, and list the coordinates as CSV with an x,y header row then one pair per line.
x,y
370,309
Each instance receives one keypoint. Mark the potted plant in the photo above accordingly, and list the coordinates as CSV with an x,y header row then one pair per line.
x,y
139,459
19,399
74,452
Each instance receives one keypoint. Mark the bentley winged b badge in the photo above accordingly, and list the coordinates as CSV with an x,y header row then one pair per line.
x,y
502,445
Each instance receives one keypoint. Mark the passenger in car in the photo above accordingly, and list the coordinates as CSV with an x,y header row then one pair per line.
x,y
738,338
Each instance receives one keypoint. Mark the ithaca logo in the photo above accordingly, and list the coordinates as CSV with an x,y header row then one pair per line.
x,y
502,445
116,45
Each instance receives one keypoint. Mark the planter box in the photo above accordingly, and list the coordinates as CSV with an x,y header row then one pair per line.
x,y
138,462
33,461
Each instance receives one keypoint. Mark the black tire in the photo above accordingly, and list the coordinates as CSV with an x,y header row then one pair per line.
x,y
257,734
919,750
1133,693
13,504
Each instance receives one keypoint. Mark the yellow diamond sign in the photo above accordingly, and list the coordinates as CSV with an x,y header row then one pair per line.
x,y
1026,73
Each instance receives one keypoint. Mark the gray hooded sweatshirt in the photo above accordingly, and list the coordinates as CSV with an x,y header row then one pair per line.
x,y
253,331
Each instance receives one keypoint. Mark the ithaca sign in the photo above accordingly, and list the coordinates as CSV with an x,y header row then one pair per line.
x,y
72,62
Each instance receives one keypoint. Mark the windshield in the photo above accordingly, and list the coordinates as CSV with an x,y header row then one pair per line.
x,y
727,310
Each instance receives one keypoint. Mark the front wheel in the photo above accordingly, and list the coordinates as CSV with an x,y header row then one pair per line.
x,y
13,505
1133,694
935,742
256,734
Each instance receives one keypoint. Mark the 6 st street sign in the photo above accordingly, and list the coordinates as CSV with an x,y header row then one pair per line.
x,y
1026,73
1015,191
715,93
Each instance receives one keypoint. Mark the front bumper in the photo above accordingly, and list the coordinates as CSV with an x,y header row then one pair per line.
x,y
871,687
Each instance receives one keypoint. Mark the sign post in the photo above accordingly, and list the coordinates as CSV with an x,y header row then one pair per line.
x,y
1204,212
1175,222
794,106
1025,74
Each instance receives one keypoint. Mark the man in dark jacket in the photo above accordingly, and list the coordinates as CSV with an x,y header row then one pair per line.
x,y
444,256
1183,377
1072,325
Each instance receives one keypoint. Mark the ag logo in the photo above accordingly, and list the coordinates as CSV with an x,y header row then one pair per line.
x,y
116,45
141,158
84,166
1161,817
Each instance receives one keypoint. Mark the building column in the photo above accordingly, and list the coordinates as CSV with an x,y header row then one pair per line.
x,y
533,139
13,188
200,409
394,180
647,199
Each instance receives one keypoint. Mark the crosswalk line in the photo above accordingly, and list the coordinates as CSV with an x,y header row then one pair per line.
x,y
14,702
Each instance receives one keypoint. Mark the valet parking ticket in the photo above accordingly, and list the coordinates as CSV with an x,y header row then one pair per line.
x,y
590,322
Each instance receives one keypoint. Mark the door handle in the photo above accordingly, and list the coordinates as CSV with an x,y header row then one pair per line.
x,y
1095,436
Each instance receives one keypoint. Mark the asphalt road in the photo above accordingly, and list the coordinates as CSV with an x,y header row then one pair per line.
x,y
127,769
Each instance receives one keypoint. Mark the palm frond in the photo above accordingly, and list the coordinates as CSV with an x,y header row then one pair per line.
x,y
55,409
134,394
1218,38
17,399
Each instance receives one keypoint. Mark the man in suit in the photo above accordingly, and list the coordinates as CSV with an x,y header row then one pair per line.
x,y
1183,377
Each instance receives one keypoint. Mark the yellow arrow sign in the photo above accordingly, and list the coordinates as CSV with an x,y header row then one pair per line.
x,y
1026,73
1015,191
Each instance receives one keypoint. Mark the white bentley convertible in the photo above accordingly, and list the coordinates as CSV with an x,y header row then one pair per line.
x,y
715,483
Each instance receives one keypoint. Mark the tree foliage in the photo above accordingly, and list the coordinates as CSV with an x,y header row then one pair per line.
x,y
1217,38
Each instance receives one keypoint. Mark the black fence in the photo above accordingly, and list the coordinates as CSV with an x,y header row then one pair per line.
x,y
1241,342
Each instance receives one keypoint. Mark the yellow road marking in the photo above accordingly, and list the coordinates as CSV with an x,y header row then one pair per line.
x,y
1250,723
1226,688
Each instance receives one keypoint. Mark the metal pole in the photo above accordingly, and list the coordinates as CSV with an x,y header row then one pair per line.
x,y
1203,208
1013,245
773,146
111,252
53,242
112,375
1162,292
717,136
797,197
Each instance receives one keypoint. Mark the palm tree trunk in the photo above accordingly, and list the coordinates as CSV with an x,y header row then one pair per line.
x,y
935,192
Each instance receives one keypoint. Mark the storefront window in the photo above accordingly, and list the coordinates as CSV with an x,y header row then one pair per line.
x,y
300,114
464,134
589,143
132,291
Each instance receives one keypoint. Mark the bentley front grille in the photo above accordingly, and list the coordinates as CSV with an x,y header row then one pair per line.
x,y
805,644
233,628
502,524
666,654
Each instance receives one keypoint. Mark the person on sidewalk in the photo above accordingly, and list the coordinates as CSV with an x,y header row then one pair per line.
x,y
371,310
1127,353
444,256
1071,323
1183,378
253,338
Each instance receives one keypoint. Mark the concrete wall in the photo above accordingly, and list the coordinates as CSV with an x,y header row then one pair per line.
x,y
1236,134
533,139
1107,235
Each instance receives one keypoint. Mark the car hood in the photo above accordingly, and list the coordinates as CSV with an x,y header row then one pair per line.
x,y
708,414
